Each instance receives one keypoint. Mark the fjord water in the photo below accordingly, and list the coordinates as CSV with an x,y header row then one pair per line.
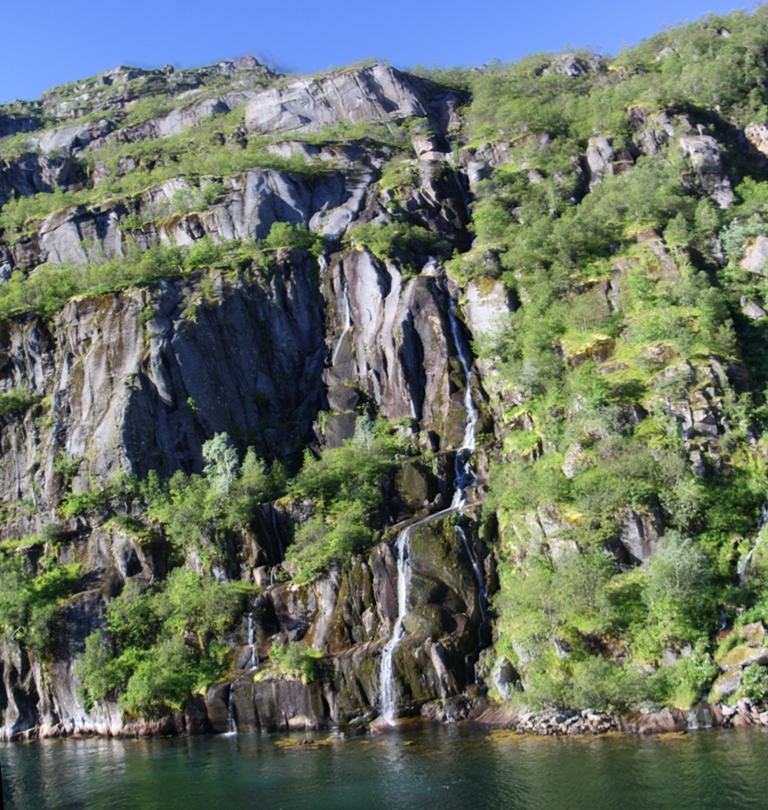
x,y
431,768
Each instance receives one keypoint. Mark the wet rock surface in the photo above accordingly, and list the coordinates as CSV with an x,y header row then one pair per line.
x,y
136,380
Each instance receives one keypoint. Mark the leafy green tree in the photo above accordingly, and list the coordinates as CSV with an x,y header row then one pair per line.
x,y
222,462
579,582
677,592
162,643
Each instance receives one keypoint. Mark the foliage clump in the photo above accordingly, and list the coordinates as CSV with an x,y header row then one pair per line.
x,y
161,644
346,486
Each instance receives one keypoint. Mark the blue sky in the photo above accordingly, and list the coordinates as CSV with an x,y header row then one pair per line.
x,y
47,42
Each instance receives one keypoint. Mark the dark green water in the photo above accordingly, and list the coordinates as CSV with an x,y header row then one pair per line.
x,y
427,768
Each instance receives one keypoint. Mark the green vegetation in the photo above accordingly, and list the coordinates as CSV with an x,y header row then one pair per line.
x,y
195,513
688,68
16,401
628,468
215,148
165,641
397,240
347,492
628,314
162,644
296,660
49,287
30,596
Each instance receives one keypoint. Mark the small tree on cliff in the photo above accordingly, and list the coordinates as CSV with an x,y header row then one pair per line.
x,y
223,463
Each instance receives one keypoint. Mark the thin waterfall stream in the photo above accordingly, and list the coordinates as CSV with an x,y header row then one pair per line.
x,y
465,474
387,692
464,479
251,642
231,719
346,321
743,568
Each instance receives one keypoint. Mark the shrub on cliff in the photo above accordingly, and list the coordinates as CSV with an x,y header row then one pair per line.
x,y
346,485
30,597
160,645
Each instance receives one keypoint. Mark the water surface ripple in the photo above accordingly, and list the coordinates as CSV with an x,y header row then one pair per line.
x,y
424,768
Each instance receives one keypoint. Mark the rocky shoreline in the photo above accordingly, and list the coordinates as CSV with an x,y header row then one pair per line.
x,y
656,721
459,709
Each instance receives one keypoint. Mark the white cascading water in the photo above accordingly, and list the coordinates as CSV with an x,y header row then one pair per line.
x,y
387,675
698,718
346,321
743,568
231,721
465,477
251,642
468,446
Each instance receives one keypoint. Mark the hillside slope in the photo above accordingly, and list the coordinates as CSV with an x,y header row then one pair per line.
x,y
382,394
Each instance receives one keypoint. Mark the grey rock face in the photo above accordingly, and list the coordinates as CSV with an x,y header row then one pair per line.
x,y
704,154
757,137
36,173
15,123
71,138
599,159
752,309
487,305
640,533
41,698
651,132
345,615
349,616
755,256
373,93
176,121
571,64
604,157
252,203
127,395
397,348
137,380
118,89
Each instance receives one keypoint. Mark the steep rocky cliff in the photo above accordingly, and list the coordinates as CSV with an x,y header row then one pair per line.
x,y
124,382
376,394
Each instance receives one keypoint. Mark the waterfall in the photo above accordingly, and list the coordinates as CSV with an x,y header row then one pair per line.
x,y
346,320
468,445
743,568
482,596
387,675
698,718
252,641
277,536
464,478
231,721
465,475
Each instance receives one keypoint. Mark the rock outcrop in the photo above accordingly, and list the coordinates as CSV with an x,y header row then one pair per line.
x,y
372,303
137,380
376,93
134,381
